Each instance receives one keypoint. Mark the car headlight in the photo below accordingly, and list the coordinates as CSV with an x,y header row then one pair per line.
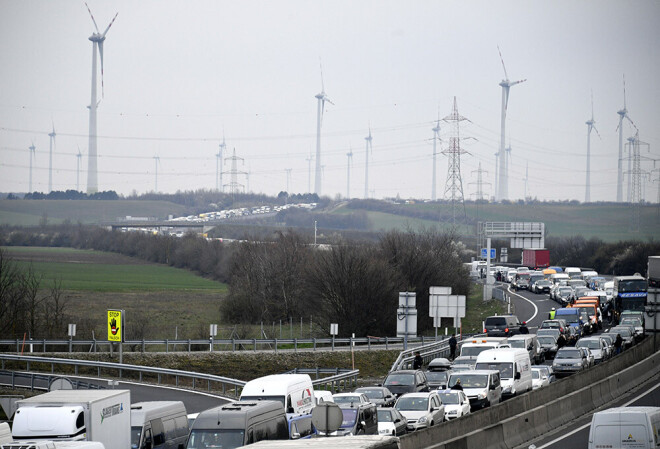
x,y
577,364
506,390
481,396
422,420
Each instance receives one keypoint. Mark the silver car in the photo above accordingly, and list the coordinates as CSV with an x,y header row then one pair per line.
x,y
569,361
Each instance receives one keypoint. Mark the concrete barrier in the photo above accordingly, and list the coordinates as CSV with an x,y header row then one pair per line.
x,y
528,416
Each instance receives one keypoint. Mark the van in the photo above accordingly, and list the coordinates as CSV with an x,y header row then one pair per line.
x,y
159,425
294,391
237,424
529,343
625,427
556,277
573,272
514,366
501,325
482,387
474,346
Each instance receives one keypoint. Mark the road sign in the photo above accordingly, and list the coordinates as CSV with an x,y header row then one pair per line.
x,y
115,325
484,253
327,417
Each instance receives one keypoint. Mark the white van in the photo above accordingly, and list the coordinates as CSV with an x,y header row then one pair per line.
x,y
625,427
159,425
514,366
556,277
294,391
573,272
530,343
482,387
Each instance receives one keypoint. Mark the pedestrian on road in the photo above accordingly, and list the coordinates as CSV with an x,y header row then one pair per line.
x,y
457,385
418,361
618,343
552,313
523,328
561,341
452,347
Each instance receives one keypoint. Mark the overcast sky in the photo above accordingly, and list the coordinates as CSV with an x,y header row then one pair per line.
x,y
180,75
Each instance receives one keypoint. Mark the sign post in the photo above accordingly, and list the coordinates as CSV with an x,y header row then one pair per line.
x,y
116,330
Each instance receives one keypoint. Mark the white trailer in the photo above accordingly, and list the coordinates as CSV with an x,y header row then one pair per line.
x,y
91,415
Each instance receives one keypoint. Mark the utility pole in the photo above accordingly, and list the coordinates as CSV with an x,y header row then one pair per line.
x,y
635,180
234,185
454,186
479,195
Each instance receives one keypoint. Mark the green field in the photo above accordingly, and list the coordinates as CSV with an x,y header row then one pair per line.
x,y
83,270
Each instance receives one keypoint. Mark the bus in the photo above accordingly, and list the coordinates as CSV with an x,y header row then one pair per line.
x,y
630,293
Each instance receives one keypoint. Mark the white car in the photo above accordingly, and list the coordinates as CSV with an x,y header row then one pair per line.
x,y
456,403
391,422
539,378
350,398
422,410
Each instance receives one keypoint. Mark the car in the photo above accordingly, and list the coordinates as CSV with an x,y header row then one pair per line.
x,y
422,410
438,379
406,381
559,324
591,361
547,369
350,398
636,322
609,343
456,403
539,378
563,295
501,325
463,362
569,361
381,396
626,335
596,346
541,286
391,422
548,345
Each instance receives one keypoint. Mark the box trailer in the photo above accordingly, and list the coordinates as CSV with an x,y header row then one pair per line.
x,y
90,415
536,258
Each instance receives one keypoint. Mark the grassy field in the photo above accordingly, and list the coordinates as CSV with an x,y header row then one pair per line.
x,y
32,212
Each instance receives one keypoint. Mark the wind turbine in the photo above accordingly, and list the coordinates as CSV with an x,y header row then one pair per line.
x,y
218,166
503,185
32,155
623,113
322,98
156,163
497,159
526,180
348,173
78,157
309,172
288,178
50,159
366,165
590,125
97,46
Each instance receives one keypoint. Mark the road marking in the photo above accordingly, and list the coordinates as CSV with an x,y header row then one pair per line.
x,y
589,424
536,309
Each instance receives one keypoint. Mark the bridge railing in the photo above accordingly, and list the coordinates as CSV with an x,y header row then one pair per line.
x,y
340,379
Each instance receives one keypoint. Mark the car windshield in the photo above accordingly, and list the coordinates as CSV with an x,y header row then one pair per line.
x,y
632,321
473,351
385,416
550,325
346,399
225,438
449,398
569,354
591,344
413,403
565,290
570,317
436,376
349,417
546,340
373,394
625,332
400,379
505,368
469,380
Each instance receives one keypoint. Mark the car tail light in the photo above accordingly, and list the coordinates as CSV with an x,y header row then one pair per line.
x,y
506,330
485,331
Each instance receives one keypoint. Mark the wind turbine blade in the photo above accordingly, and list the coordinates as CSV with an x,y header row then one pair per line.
x,y
92,16
517,82
597,133
100,43
624,91
632,123
111,22
322,84
506,77
325,98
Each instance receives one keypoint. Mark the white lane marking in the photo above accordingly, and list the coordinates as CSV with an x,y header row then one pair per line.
x,y
589,424
536,309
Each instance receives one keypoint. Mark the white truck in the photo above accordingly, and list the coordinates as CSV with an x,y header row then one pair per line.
x,y
91,415
625,427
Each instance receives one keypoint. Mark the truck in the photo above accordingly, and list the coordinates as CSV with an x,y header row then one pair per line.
x,y
653,272
536,258
89,415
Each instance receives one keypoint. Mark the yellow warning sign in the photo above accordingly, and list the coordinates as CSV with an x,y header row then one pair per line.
x,y
115,325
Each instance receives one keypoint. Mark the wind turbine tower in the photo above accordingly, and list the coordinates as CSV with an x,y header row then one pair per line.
x,y
623,113
436,137
32,155
348,173
309,172
503,184
369,148
50,159
156,162
97,47
322,98
497,159
288,178
590,125
78,162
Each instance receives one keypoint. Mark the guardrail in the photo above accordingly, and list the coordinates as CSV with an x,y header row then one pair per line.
x,y
292,344
429,352
341,379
